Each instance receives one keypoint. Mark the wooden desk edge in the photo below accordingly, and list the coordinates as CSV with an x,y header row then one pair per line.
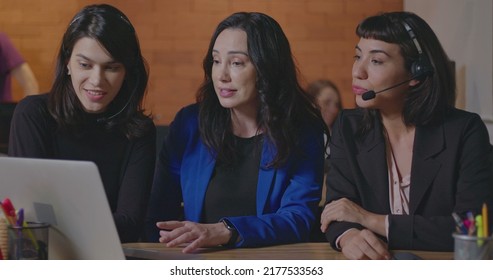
x,y
297,251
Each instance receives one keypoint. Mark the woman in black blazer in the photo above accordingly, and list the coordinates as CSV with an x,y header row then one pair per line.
x,y
406,159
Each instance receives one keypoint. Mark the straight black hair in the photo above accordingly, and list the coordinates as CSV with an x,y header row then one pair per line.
x,y
113,30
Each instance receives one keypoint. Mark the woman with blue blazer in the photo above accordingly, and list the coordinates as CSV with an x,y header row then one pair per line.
x,y
242,167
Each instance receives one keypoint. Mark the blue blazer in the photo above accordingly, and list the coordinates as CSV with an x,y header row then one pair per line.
x,y
287,197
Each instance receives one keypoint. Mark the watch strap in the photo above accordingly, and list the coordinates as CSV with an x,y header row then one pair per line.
x,y
234,233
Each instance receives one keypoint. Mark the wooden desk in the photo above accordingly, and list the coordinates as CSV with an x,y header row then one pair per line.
x,y
298,251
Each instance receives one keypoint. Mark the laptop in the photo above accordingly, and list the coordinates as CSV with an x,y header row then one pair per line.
x,y
70,196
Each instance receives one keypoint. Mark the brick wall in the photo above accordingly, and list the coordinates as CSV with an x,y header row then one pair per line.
x,y
174,36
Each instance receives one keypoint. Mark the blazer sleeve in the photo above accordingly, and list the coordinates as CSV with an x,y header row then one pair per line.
x,y
293,198
340,179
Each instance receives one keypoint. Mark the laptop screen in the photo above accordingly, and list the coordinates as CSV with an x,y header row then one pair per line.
x,y
70,196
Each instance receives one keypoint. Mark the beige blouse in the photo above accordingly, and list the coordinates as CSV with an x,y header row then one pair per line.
x,y
398,189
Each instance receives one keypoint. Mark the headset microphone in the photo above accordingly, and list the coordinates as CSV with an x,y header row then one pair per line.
x,y
371,93
105,119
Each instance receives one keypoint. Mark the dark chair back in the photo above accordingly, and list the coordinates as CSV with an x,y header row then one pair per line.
x,y
6,113
161,132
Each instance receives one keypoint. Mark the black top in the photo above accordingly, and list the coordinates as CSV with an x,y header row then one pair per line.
x,y
228,196
126,166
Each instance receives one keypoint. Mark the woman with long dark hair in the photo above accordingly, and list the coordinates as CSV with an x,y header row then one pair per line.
x,y
243,166
94,112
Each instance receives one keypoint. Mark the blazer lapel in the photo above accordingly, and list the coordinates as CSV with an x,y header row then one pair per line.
x,y
429,141
200,176
375,181
265,176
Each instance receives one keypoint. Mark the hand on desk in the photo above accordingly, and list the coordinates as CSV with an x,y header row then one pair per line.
x,y
357,244
363,245
344,210
176,233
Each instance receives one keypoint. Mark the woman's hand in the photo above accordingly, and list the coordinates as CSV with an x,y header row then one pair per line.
x,y
363,245
175,233
344,210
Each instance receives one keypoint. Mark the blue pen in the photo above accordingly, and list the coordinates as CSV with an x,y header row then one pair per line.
x,y
20,217
458,222
22,224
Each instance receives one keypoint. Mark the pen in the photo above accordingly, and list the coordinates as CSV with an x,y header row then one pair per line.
x,y
20,217
472,227
30,235
23,224
485,220
9,211
458,222
479,229
18,224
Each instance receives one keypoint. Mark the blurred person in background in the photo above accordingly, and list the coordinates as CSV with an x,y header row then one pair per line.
x,y
13,65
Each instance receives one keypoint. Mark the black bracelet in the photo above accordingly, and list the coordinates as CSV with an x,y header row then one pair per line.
x,y
234,233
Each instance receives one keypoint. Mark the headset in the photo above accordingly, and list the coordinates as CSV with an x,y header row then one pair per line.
x,y
421,67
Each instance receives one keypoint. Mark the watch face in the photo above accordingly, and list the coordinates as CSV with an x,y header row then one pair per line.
x,y
228,224
234,232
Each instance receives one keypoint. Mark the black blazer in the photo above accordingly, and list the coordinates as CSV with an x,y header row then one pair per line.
x,y
450,173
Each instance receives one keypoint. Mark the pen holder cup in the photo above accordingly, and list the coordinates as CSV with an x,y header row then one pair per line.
x,y
29,241
472,248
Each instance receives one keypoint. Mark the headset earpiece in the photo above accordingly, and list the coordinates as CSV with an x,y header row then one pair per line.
x,y
421,68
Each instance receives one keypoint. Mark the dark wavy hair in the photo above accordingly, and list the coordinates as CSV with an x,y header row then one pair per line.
x,y
283,105
113,30
427,101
